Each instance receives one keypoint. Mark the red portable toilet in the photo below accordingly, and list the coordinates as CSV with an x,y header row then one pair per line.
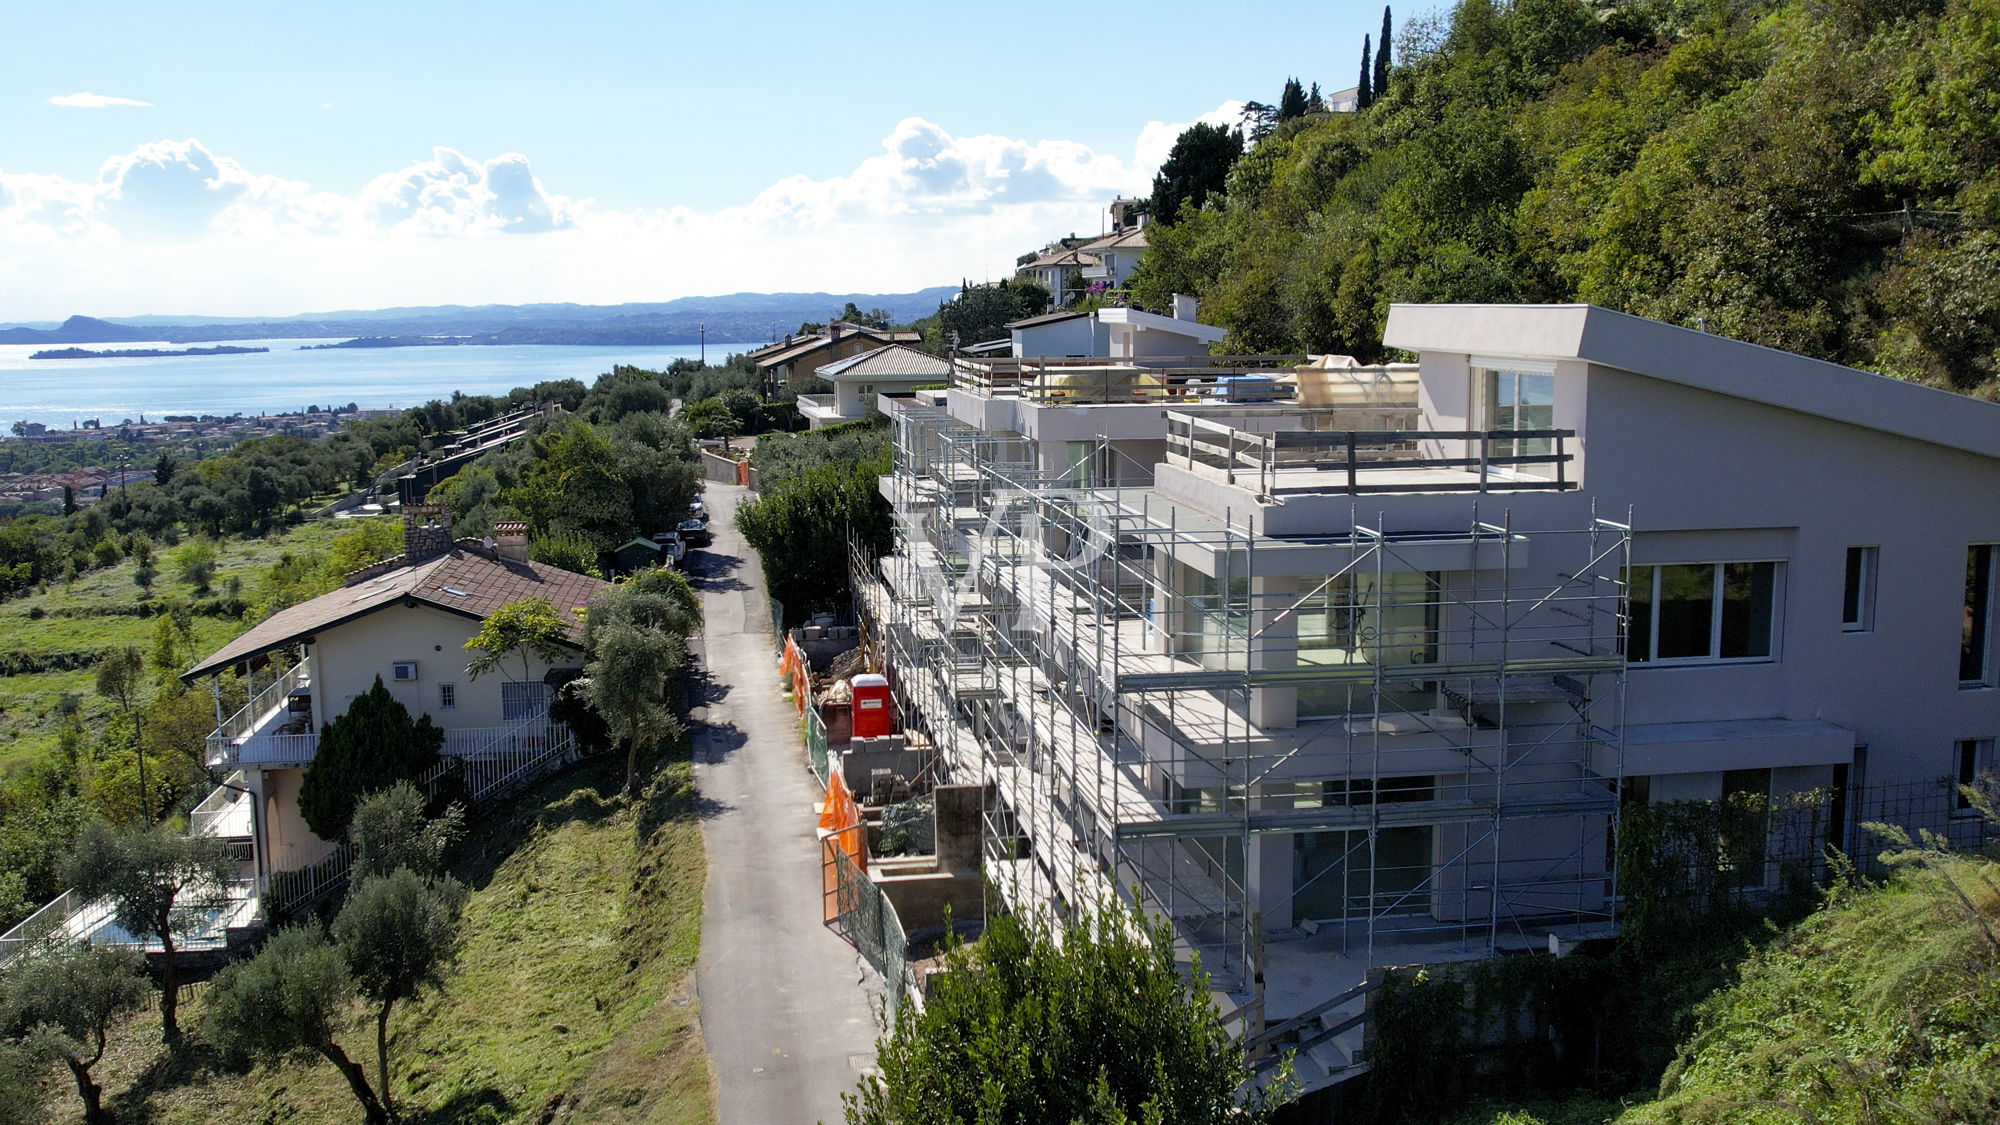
x,y
872,710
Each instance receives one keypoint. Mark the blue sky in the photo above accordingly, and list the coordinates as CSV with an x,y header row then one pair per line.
x,y
294,157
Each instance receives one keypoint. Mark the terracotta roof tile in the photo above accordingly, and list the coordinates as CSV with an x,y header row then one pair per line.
x,y
464,580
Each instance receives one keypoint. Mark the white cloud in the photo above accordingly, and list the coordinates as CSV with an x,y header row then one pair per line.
x,y
1156,140
86,100
928,208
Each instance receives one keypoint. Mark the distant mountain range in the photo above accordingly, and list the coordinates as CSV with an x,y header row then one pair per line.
x,y
734,318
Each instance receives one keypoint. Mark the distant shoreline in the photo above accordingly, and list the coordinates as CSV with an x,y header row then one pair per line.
x,y
142,353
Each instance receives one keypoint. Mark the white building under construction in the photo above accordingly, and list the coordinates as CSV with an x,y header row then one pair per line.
x,y
1338,666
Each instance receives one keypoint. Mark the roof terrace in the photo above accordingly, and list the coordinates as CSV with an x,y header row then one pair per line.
x,y
1303,452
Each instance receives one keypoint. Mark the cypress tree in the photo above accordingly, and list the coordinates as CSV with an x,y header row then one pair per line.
x,y
1382,57
1364,93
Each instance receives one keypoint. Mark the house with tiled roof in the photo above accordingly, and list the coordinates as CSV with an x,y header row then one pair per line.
x,y
1117,253
1059,268
800,356
893,370
406,621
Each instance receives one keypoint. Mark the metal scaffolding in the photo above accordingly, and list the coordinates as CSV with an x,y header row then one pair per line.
x,y
1420,740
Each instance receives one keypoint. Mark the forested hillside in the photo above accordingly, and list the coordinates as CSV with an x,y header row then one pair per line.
x,y
1816,175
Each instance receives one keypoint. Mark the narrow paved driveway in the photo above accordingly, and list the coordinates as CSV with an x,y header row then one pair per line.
x,y
788,1022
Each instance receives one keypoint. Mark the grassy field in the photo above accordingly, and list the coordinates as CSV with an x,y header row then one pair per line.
x,y
103,610
572,1001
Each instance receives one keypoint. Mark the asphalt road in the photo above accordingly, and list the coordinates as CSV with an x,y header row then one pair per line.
x,y
786,1005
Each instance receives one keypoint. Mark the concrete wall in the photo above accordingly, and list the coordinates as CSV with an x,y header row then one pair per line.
x,y
288,843
922,895
853,404
718,468
1713,479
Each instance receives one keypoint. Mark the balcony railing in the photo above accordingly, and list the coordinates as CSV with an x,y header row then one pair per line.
x,y
1349,462
821,406
1164,380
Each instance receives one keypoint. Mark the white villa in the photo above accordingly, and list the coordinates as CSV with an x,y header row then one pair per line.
x,y
405,620
893,370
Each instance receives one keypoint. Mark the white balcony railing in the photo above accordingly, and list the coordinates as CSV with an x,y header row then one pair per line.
x,y
250,729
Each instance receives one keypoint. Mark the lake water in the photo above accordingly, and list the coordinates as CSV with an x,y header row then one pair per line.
x,y
58,392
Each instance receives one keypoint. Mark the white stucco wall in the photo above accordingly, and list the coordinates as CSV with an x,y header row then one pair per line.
x,y
346,660
1077,336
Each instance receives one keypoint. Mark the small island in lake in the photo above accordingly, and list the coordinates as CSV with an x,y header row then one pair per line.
x,y
142,353
399,342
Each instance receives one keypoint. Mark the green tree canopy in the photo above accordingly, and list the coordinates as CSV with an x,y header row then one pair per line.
x,y
809,508
372,746
982,312
399,935
159,884
390,830
1197,167
529,627
1031,1025
626,681
61,1001
1292,103
289,1001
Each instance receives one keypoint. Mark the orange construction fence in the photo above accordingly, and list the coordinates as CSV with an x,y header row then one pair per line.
x,y
793,664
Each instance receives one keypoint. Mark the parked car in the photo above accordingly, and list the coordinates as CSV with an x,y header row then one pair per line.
x,y
698,510
674,549
695,531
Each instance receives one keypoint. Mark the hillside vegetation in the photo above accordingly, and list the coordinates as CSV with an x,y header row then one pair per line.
x,y
571,1001
1738,164
1880,1007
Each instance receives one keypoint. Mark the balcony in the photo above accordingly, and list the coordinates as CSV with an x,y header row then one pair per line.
x,y
1271,458
273,730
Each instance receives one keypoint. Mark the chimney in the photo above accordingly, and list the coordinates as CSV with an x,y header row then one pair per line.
x,y
1185,306
510,539
426,531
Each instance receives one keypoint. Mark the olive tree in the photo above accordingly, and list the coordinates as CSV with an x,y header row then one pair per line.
x,y
390,831
61,1001
399,935
287,1002
636,639
160,884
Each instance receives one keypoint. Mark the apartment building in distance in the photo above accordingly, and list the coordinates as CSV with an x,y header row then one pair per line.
x,y
1338,666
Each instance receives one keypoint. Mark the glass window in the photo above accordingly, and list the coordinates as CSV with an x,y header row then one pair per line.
x,y
1686,608
1974,638
1702,611
520,701
1220,630
1857,598
447,697
1974,761
1519,400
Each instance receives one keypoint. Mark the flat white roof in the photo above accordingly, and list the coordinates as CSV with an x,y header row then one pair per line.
x,y
1702,360
1154,322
